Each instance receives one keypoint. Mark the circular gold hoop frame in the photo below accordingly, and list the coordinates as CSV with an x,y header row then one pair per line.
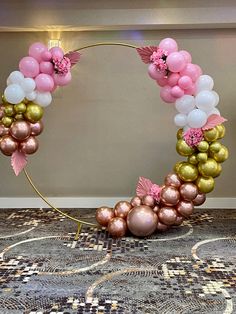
x,y
28,177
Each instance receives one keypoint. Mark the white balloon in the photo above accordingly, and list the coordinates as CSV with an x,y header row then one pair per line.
x,y
15,77
28,84
214,111
217,98
8,81
14,94
205,100
180,120
204,82
185,104
31,96
43,99
197,118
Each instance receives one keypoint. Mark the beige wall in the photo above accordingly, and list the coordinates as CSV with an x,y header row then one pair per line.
x,y
109,125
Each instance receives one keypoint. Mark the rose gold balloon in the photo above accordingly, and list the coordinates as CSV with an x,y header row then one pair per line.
x,y
3,130
36,128
122,209
169,195
1,112
156,209
199,199
29,146
179,220
148,200
20,130
167,215
136,201
104,215
173,180
185,208
117,227
162,227
188,191
8,145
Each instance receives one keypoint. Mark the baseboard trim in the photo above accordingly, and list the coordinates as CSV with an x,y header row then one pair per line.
x,y
94,202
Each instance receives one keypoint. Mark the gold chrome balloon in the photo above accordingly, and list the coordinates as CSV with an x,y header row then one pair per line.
x,y
179,134
7,121
4,99
203,146
215,147
177,166
20,108
211,135
205,185
183,149
33,112
219,170
202,157
9,110
193,159
222,154
208,168
19,116
221,130
188,172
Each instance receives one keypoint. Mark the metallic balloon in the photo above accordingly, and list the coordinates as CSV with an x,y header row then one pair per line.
x,y
188,172
203,146
169,196
208,168
33,113
221,130
104,215
211,135
188,191
179,220
29,146
162,227
7,121
167,215
193,159
179,134
185,208
178,165
215,147
142,221
8,145
19,116
183,149
3,130
9,110
117,227
202,157
199,199
36,128
222,154
172,179
148,200
1,112
136,201
205,185
218,172
122,209
20,108
20,130
156,209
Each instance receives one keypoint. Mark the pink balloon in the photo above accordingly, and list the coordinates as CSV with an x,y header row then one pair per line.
x,y
154,73
198,69
62,80
191,90
57,52
192,71
36,50
176,62
187,56
44,82
168,44
185,82
46,67
46,55
173,79
162,81
29,67
176,92
166,95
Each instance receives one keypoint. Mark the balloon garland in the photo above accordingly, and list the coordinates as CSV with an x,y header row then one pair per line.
x,y
154,208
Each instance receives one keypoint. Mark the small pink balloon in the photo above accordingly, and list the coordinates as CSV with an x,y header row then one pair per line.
x,y
36,50
29,146
186,55
170,196
122,209
172,179
57,52
136,201
176,62
185,208
167,215
176,92
162,81
44,82
148,200
199,199
46,55
168,44
185,82
36,128
62,80
173,79
46,67
29,67
166,95
192,71
154,73
188,191
191,90
104,215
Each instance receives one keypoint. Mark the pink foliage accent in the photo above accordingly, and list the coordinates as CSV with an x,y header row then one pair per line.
x,y
193,136
213,121
61,66
146,187
159,59
18,161
146,52
74,57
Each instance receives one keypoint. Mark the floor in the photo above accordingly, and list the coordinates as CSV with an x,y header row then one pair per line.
x,y
189,269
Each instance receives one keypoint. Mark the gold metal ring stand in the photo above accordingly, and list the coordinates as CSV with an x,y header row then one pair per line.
x,y
79,222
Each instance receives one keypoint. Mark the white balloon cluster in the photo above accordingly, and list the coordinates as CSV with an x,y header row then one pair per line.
x,y
195,110
19,87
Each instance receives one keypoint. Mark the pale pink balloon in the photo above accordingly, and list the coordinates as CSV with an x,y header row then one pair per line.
x,y
154,73
185,82
162,227
168,44
104,215
8,145
29,67
57,53
172,179
162,81
173,79
36,50
122,209
192,71
136,201
188,191
170,196
3,130
186,55
148,200
177,92
166,95
176,62
36,128
198,69
117,227
44,82
29,146
46,67
62,80
199,199
191,90
185,208
20,130
46,56
167,215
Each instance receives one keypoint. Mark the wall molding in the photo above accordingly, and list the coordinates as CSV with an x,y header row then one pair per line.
x,y
94,202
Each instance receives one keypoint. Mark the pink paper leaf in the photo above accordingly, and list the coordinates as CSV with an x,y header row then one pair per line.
x,y
143,187
18,161
146,52
74,57
213,121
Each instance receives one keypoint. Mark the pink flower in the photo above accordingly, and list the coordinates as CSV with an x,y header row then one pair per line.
x,y
61,66
193,136
159,59
155,192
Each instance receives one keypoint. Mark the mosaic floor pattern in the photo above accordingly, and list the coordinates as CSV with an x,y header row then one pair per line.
x,y
189,269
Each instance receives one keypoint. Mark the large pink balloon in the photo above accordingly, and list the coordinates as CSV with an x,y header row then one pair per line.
x,y
44,82
192,71
29,67
186,55
46,67
176,62
62,80
169,196
154,73
36,50
168,44
20,130
166,95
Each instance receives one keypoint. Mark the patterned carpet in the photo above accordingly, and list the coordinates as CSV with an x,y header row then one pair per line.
x,y
189,269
